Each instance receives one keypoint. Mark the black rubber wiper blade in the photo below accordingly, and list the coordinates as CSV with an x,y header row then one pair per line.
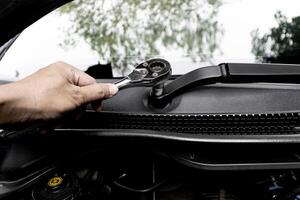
x,y
271,73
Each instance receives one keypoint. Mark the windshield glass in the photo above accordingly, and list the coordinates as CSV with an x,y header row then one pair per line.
x,y
188,33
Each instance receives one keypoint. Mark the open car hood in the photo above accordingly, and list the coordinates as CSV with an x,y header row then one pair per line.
x,y
17,15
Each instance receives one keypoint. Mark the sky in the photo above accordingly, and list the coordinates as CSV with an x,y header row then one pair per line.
x,y
38,45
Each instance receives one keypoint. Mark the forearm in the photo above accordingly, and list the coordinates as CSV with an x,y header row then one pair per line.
x,y
13,106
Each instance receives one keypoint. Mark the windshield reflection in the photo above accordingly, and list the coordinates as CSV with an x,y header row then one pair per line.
x,y
281,44
122,32
188,33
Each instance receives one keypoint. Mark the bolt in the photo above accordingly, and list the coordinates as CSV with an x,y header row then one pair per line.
x,y
145,64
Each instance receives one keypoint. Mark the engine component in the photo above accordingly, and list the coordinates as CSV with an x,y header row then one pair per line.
x,y
221,194
59,186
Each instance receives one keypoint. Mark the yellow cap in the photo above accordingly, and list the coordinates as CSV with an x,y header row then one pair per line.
x,y
55,181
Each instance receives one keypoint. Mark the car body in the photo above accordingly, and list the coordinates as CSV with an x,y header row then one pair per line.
x,y
218,136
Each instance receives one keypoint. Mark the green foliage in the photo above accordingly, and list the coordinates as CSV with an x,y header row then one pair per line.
x,y
118,29
280,41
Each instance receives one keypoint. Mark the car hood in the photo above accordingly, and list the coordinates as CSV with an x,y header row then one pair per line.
x,y
16,15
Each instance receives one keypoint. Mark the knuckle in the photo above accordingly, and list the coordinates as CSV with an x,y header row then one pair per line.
x,y
60,65
78,97
101,93
104,91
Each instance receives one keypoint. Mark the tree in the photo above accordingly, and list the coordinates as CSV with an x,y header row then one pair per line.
x,y
281,44
118,29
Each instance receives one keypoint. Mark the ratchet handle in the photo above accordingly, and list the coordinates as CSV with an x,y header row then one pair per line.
x,y
147,73
123,83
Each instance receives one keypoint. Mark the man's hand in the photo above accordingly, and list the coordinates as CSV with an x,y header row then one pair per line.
x,y
49,93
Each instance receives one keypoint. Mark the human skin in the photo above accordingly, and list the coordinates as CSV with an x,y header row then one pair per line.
x,y
49,93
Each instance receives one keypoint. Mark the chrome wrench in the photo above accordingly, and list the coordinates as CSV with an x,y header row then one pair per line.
x,y
148,73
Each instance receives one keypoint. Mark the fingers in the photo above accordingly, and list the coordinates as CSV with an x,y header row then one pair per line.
x,y
74,75
97,105
97,91
80,78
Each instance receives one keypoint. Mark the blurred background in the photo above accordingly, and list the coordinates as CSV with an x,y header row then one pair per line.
x,y
188,33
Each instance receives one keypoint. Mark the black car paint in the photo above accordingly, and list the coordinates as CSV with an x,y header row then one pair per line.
x,y
27,155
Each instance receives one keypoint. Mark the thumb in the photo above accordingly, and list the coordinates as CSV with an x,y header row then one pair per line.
x,y
98,91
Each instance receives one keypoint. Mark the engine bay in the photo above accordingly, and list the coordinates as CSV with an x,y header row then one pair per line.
x,y
217,133
124,169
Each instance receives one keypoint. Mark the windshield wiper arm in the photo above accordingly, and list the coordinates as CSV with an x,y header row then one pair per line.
x,y
230,73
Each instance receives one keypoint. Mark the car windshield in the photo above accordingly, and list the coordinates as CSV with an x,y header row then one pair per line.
x,y
188,33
